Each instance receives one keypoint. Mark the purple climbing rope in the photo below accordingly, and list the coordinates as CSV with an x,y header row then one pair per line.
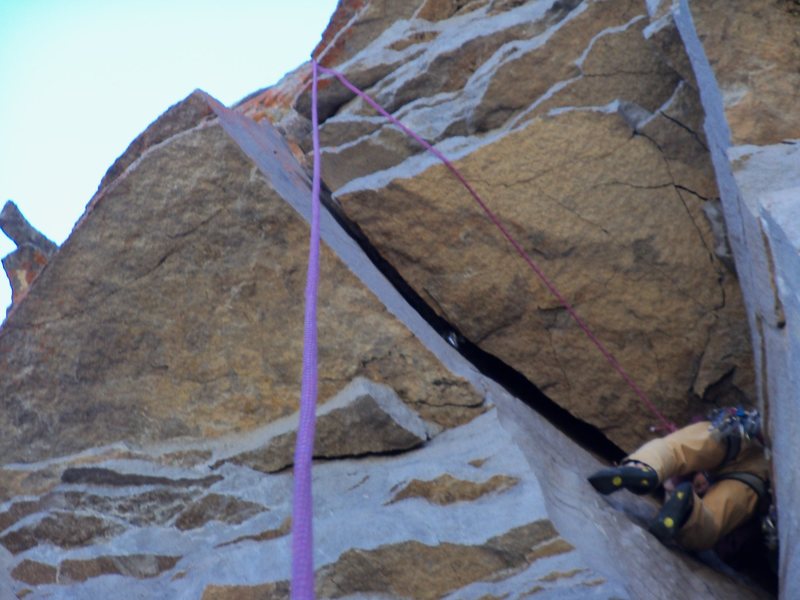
x,y
302,513
519,249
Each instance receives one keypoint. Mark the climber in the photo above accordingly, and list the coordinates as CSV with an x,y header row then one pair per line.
x,y
726,451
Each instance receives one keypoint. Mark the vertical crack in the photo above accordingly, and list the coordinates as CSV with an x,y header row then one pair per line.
x,y
779,313
678,189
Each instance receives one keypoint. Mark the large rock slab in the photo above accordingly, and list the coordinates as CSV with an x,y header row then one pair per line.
x,y
175,309
579,123
644,278
747,53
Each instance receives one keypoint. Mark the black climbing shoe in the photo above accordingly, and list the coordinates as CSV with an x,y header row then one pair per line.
x,y
674,513
639,479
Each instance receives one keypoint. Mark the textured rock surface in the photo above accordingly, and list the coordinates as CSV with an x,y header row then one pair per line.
x,y
748,58
148,379
434,549
364,418
579,124
753,49
447,489
501,543
650,571
33,251
182,282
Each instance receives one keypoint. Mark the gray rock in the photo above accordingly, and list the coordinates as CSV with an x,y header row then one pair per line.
x,y
364,418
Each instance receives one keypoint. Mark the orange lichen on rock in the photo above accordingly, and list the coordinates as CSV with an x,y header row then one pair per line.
x,y
333,43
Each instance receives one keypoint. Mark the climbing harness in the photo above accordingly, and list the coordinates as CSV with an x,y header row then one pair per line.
x,y
302,540
758,485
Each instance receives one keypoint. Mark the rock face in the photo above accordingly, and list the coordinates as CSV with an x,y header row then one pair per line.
x,y
33,251
382,529
189,292
149,378
753,127
580,125
362,419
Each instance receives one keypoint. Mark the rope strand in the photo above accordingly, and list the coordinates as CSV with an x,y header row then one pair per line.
x,y
302,512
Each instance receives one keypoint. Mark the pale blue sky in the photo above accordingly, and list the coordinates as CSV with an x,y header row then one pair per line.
x,y
79,79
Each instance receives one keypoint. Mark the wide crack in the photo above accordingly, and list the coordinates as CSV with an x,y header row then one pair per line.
x,y
584,434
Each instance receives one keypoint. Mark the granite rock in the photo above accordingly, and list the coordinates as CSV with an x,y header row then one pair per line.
x,y
150,375
746,53
33,251
62,529
217,507
364,418
136,566
448,490
183,282
580,124
754,48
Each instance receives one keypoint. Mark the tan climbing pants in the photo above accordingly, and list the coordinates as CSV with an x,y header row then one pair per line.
x,y
728,503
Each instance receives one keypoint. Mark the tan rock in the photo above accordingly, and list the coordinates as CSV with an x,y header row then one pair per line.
x,y
364,418
754,49
217,507
139,566
438,10
33,251
34,573
556,575
447,489
588,67
353,148
178,118
266,591
111,478
62,529
185,458
269,534
17,511
39,479
614,171
346,35
415,570
365,154
153,507
185,282
603,176
601,214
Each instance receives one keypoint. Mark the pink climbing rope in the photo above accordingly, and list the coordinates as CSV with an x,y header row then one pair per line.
x,y
302,587
519,249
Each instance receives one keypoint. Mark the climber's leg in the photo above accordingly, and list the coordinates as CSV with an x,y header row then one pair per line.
x,y
727,505
692,448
